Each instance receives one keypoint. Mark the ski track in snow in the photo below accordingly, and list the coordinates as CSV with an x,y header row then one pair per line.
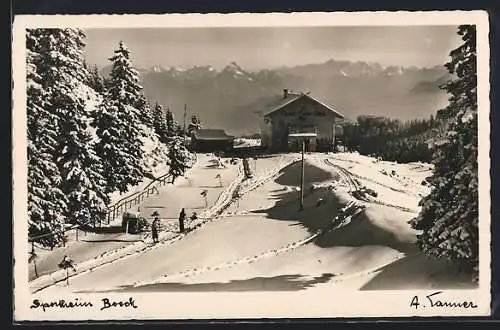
x,y
354,206
226,198
349,177
337,222
238,189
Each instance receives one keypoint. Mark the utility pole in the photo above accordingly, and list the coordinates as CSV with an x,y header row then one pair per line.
x,y
302,137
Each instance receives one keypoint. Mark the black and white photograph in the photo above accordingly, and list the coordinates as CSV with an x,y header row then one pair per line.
x,y
286,165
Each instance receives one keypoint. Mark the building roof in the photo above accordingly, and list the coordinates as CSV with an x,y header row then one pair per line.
x,y
211,134
283,102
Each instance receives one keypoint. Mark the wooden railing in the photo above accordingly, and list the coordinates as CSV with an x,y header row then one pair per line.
x,y
128,202
124,204
136,198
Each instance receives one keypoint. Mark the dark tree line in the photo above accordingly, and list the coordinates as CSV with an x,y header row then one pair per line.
x,y
392,139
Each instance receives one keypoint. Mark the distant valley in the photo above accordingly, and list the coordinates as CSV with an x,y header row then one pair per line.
x,y
230,98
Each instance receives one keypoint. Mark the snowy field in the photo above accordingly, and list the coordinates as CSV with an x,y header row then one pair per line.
x,y
262,242
185,192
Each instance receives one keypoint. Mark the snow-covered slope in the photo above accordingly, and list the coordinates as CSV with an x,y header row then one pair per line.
x,y
263,242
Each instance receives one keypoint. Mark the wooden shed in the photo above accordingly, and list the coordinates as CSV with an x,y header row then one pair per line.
x,y
211,140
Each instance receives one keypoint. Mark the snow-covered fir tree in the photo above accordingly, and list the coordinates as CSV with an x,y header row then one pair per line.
x,y
119,127
62,77
96,81
80,167
159,122
154,153
178,158
125,128
449,216
171,124
46,201
145,113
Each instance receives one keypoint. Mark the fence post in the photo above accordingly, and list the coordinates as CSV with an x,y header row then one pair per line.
x,y
77,234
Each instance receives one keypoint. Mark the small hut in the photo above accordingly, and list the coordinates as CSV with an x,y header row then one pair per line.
x,y
211,140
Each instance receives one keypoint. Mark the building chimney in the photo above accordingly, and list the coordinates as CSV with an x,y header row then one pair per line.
x,y
285,93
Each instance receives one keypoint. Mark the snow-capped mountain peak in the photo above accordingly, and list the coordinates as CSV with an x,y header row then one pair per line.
x,y
234,68
393,70
237,71
177,68
157,68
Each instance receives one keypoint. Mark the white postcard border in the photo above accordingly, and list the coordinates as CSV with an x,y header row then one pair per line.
x,y
249,305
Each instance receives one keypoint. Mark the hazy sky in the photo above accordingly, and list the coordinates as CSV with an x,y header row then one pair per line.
x,y
256,48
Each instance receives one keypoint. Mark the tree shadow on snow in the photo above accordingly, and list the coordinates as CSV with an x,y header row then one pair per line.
x,y
322,205
360,231
313,217
277,283
418,272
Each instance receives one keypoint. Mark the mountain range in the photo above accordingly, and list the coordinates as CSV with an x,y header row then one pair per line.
x,y
231,97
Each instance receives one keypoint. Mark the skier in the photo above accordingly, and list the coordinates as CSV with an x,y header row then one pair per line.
x,y
182,217
155,226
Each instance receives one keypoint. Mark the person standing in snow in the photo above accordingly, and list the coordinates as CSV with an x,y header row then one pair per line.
x,y
182,217
155,227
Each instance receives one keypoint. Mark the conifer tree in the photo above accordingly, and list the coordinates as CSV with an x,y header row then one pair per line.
x,y
61,72
46,201
179,158
449,216
159,122
171,124
145,113
119,125
96,81
79,166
